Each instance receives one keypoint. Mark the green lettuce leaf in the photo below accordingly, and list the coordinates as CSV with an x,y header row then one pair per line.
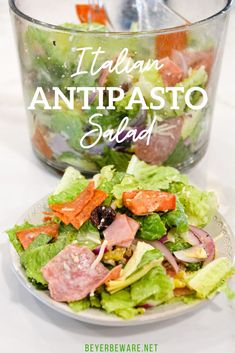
x,y
154,177
207,280
197,78
155,285
128,183
129,313
118,301
176,218
33,259
151,227
118,159
13,238
176,242
88,235
80,305
106,181
40,240
70,186
200,206
149,256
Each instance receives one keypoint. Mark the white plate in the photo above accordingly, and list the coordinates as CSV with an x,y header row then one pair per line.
x,y
217,228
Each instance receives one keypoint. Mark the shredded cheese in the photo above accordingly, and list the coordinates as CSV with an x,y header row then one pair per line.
x,y
100,255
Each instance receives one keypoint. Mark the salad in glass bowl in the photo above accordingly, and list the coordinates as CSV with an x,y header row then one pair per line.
x,y
187,58
124,243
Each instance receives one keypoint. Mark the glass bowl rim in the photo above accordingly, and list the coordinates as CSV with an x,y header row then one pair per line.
x,y
61,28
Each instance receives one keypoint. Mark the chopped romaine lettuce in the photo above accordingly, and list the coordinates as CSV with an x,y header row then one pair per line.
x,y
176,218
88,236
176,242
80,305
209,278
34,259
151,227
197,78
40,240
117,301
128,183
118,159
200,206
155,285
154,177
149,256
70,186
13,237
129,313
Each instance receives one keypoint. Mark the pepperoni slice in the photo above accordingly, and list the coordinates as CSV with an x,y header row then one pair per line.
x,y
142,202
27,236
171,73
67,211
85,214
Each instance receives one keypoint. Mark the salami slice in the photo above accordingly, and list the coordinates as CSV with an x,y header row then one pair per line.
x,y
70,276
162,143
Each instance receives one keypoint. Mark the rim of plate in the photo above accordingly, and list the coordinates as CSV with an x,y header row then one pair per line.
x,y
101,318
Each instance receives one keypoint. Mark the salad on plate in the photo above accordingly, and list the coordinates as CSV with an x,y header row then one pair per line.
x,y
124,242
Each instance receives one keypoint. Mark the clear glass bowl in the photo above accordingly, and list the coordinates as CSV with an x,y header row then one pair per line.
x,y
187,37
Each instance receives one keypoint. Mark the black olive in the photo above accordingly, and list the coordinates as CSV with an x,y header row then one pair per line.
x,y
102,217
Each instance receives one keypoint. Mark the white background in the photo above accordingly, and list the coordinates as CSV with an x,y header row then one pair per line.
x,y
30,327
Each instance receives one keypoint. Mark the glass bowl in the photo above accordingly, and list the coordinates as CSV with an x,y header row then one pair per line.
x,y
137,77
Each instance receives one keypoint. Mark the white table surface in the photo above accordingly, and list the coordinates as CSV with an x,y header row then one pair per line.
x,y
30,327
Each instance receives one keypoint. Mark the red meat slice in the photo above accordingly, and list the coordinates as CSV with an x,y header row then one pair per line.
x,y
122,231
162,144
171,73
142,202
112,275
70,276
85,214
27,236
67,211
194,59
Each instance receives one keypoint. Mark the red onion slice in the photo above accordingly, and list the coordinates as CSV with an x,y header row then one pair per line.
x,y
207,242
187,254
146,306
168,255
96,251
164,239
190,238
